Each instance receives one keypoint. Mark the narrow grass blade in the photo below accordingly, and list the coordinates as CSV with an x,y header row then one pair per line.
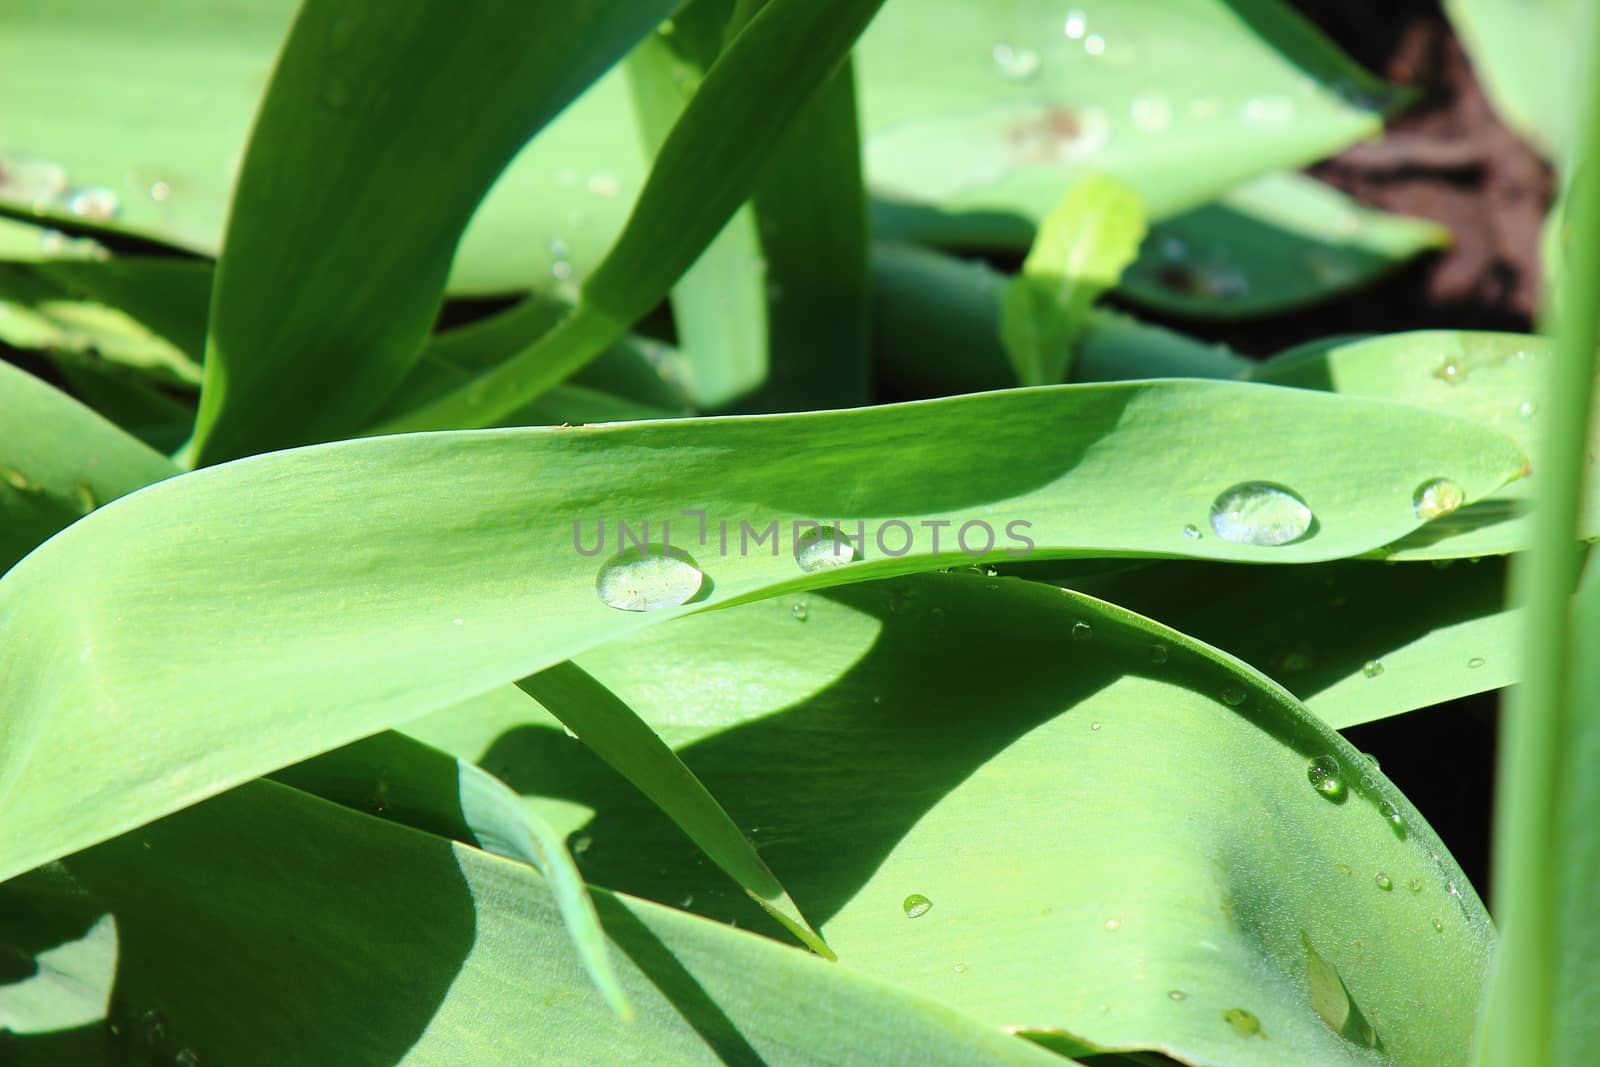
x,y
615,733
406,781
322,302
706,167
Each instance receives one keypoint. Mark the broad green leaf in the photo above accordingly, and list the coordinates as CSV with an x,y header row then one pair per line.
x,y
1275,244
327,962
400,779
307,598
322,301
58,462
611,729
1148,800
707,166
1491,378
1080,252
1524,53
1181,99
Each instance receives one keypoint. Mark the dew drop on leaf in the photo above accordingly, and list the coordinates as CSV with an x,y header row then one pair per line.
x,y
1178,994
1415,885
800,612
1259,513
1438,926
1082,631
1372,668
916,905
1475,662
1232,695
93,203
1158,654
823,548
648,579
1438,497
1323,773
1192,532
1384,882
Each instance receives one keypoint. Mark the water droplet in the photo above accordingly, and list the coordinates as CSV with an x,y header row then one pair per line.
x,y
1244,1023
186,1058
1259,513
1475,662
1192,532
1015,64
561,270
1077,23
1082,631
1232,695
1392,816
581,844
648,579
1438,926
1158,654
159,191
1372,668
1177,994
1150,113
1415,885
1323,773
1384,882
1527,408
822,549
1451,371
916,905
604,185
1094,44
687,901
1113,925
800,612
1268,111
960,968
1437,497
1370,758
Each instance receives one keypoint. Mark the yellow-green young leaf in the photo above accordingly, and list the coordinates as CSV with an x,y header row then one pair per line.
x,y
1081,249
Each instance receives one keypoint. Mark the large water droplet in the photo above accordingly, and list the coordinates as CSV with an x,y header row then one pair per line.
x,y
1392,816
1259,513
1323,773
800,611
823,548
1438,497
1016,64
1244,1023
916,905
648,579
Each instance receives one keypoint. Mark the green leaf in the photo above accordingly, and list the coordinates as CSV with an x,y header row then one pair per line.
x,y
376,580
1080,252
59,461
1525,53
469,964
979,114
322,302
1149,801
614,732
1278,243
706,167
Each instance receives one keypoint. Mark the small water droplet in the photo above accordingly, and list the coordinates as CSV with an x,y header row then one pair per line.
x,y
1323,773
1384,882
1082,631
604,185
1113,925
916,905
1158,654
1150,113
960,968
1527,408
1232,695
823,548
1451,371
186,1058
687,901
1177,994
1077,23
1475,662
1015,64
799,611
1192,532
1094,44
1438,926
1415,885
1372,668
561,270
1437,497
1268,111
1244,1023
1259,513
159,191
648,579
93,203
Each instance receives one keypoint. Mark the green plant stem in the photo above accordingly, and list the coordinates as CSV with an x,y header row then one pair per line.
x,y
1520,1020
